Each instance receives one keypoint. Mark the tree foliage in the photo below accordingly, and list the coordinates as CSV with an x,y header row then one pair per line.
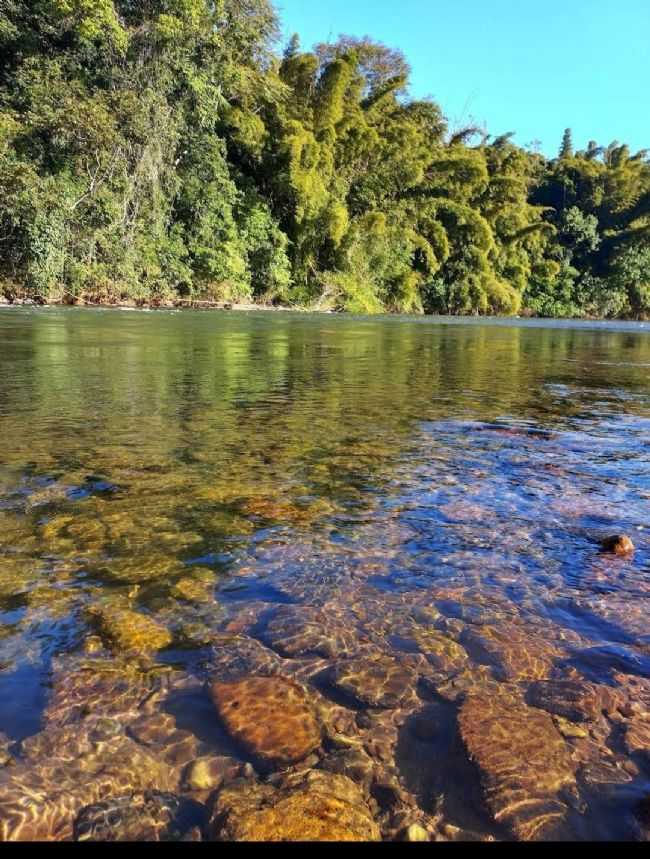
x,y
172,148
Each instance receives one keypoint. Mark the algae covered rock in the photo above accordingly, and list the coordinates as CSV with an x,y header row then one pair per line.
x,y
193,590
319,807
271,717
128,630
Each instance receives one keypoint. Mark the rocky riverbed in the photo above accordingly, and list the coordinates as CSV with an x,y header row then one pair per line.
x,y
229,610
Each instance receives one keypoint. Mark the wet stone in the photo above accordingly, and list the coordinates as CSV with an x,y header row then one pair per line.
x,y
209,773
570,730
375,681
355,764
637,738
41,798
415,833
92,645
148,816
193,590
447,657
636,693
153,730
271,717
523,761
513,653
319,807
299,631
574,700
619,544
98,687
235,656
475,678
140,570
194,635
612,658
127,630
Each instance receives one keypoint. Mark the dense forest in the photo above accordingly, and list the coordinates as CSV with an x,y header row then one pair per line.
x,y
173,149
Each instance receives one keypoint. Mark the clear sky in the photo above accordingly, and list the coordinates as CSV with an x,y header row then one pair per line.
x,y
530,66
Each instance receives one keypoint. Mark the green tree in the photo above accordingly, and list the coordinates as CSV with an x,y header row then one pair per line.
x,y
566,149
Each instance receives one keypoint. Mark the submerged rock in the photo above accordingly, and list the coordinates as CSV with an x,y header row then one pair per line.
x,y
569,729
619,544
297,631
637,738
209,773
99,687
574,700
127,630
515,653
523,761
447,657
148,816
193,590
415,833
271,717
318,807
40,799
106,733
375,681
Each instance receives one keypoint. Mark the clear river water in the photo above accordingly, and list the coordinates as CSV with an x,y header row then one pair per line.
x,y
400,519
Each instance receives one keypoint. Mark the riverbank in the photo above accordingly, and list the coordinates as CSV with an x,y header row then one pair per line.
x,y
178,304
243,307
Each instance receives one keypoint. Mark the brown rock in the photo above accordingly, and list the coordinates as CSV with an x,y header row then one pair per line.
x,y
206,774
575,700
321,807
143,817
514,652
523,761
570,730
300,631
637,738
40,800
620,545
128,630
272,717
446,656
377,681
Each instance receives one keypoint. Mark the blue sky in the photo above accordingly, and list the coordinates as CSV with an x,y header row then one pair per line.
x,y
530,66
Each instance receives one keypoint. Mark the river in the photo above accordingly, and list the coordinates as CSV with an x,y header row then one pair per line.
x,y
403,516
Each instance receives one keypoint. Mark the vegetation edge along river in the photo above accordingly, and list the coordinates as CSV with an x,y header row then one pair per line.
x,y
176,151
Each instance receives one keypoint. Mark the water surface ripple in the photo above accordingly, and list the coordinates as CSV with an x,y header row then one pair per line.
x,y
404,516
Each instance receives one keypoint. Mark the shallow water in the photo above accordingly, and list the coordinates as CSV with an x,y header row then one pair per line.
x,y
282,493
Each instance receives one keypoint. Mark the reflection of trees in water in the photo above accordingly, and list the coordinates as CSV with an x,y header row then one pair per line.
x,y
275,396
